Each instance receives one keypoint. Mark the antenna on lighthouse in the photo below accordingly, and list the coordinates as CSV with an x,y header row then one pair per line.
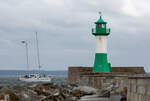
x,y
100,14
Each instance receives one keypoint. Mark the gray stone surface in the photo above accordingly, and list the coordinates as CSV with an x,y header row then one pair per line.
x,y
141,90
96,98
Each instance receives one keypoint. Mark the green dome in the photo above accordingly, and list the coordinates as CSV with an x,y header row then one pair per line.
x,y
100,21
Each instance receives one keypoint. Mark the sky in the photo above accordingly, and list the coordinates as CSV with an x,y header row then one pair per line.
x,y
64,32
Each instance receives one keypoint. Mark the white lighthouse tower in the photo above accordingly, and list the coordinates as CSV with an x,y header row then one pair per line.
x,y
101,33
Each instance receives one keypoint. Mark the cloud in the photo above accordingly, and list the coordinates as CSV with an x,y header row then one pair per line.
x,y
129,8
64,30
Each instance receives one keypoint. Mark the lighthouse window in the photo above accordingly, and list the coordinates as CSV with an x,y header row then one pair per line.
x,y
99,25
102,25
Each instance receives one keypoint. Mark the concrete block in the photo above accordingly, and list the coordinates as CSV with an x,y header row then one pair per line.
x,y
142,81
133,81
128,96
141,89
148,90
132,97
147,97
133,88
135,97
142,97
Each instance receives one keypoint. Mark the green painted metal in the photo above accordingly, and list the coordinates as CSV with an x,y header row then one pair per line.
x,y
101,63
101,31
101,28
100,21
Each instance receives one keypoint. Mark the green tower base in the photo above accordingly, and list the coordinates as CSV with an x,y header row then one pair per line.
x,y
101,64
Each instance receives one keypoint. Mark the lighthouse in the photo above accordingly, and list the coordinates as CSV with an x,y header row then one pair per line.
x,y
101,33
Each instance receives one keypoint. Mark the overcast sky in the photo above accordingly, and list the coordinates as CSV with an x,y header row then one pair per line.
x,y
64,31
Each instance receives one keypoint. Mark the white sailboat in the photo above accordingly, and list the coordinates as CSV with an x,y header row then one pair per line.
x,y
34,77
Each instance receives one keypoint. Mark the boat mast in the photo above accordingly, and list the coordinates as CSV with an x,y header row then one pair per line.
x,y
38,53
27,56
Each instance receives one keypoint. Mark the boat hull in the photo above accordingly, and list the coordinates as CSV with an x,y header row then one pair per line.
x,y
35,79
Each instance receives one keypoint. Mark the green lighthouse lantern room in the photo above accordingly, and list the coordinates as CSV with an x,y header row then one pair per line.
x,y
101,33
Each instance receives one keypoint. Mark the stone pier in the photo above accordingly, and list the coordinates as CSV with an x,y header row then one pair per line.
x,y
130,82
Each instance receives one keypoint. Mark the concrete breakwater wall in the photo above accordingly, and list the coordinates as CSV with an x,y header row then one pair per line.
x,y
121,80
105,80
74,73
139,88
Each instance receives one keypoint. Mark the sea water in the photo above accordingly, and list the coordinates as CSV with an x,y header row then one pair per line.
x,y
11,77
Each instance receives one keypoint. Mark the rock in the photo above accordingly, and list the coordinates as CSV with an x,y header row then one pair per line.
x,y
71,99
2,96
87,90
8,92
25,93
123,99
77,93
124,92
55,97
44,92
104,93
72,85
1,87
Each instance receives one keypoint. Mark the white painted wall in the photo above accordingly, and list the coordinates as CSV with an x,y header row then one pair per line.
x,y
101,44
